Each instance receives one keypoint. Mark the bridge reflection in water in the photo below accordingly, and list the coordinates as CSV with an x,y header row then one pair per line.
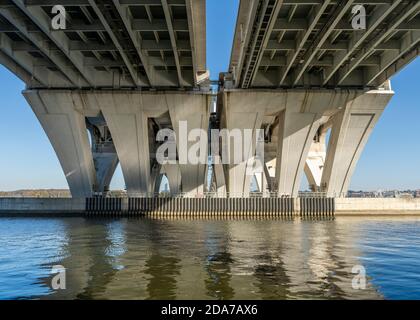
x,y
212,259
178,258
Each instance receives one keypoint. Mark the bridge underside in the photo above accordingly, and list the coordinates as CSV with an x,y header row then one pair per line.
x,y
288,44
122,70
105,43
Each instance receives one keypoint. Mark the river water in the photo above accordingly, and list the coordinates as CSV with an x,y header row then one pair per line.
x,y
149,258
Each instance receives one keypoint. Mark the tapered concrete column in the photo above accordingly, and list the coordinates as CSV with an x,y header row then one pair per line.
x,y
173,173
127,120
61,116
105,165
104,154
298,125
219,176
315,162
193,111
270,173
155,178
243,114
262,182
350,131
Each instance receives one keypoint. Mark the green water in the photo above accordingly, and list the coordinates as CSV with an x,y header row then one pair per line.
x,y
209,259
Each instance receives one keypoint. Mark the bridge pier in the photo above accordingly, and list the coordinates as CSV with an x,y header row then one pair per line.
x,y
351,128
62,117
123,127
105,156
190,117
173,173
294,119
242,114
127,118
316,160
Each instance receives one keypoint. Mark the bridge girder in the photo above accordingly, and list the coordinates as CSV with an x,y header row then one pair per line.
x,y
107,43
313,44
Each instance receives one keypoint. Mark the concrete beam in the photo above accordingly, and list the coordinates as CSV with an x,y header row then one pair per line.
x,y
266,27
42,21
398,65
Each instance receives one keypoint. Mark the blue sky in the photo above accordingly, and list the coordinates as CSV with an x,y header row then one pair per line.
x,y
390,160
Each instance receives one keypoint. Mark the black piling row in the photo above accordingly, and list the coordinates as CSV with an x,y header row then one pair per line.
x,y
310,207
99,206
317,207
212,206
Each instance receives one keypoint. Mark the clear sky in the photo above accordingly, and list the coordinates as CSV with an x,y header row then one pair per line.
x,y
390,160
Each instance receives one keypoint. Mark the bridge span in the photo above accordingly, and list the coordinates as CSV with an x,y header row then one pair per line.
x,y
121,70
299,69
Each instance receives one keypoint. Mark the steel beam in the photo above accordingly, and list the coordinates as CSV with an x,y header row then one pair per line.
x,y
168,18
316,14
410,42
358,38
123,12
39,42
43,22
341,9
405,13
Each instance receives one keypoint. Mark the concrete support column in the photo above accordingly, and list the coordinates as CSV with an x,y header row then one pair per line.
x,y
104,154
61,116
350,131
173,173
193,111
219,176
243,114
105,165
315,162
298,124
262,183
128,122
155,178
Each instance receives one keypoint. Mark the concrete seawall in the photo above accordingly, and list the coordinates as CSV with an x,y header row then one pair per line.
x,y
212,206
378,206
42,206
